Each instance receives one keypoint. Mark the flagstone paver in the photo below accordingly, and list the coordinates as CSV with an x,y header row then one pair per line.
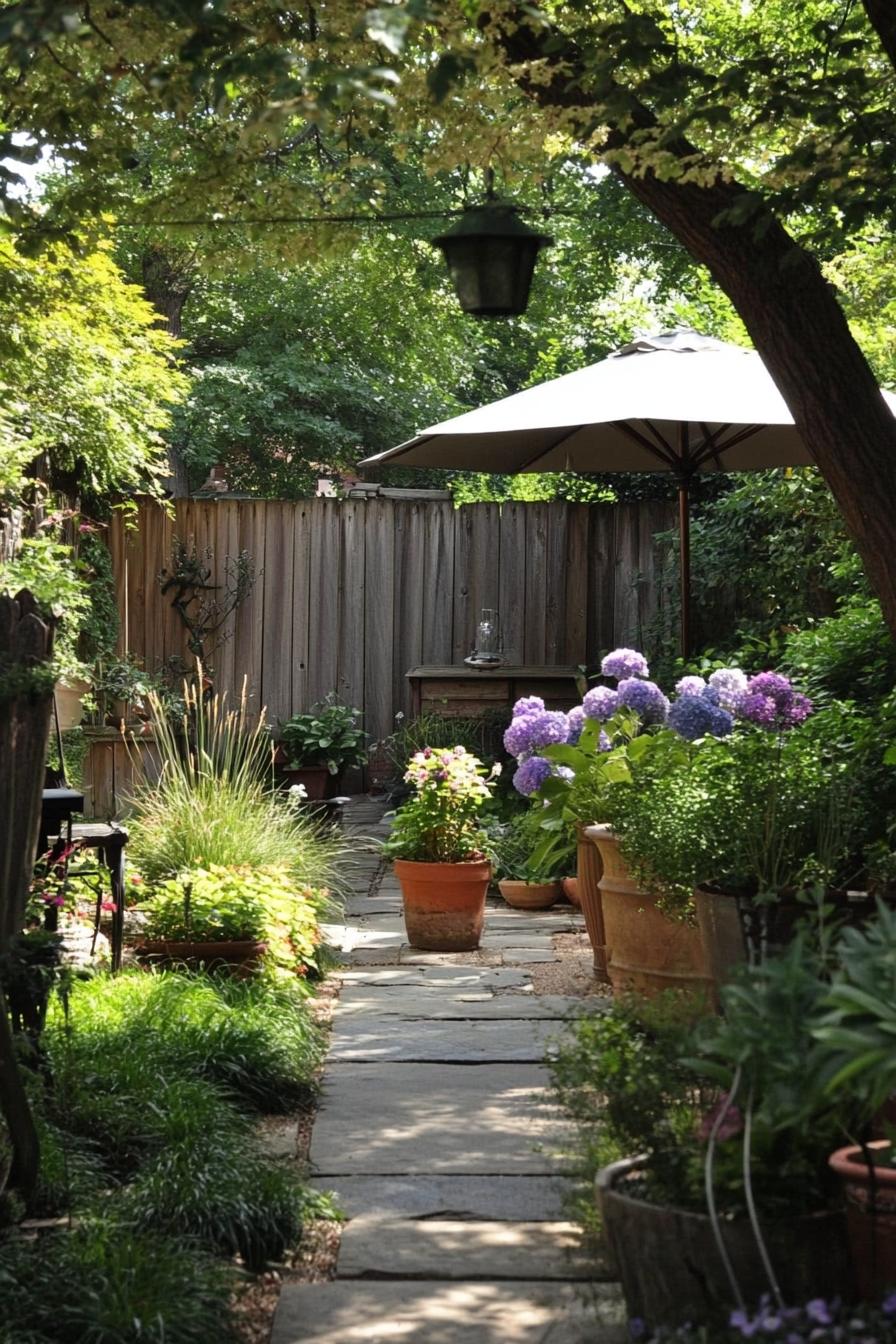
x,y
438,1135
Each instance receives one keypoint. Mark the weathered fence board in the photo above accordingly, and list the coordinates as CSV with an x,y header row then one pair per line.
x,y
350,594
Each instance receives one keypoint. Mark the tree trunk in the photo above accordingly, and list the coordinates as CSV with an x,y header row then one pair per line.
x,y
168,284
799,329
26,693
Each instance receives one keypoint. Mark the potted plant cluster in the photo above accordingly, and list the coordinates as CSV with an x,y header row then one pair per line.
x,y
439,849
318,747
525,882
231,918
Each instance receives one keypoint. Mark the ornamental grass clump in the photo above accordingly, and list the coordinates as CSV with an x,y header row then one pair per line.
x,y
215,802
440,823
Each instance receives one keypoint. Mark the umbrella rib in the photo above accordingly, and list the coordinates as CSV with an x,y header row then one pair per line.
x,y
712,448
663,451
543,452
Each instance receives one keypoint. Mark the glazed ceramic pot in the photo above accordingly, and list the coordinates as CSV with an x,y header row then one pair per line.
x,y
444,903
648,951
529,895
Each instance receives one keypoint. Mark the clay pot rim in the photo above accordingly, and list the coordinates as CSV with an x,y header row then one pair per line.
x,y
464,864
553,883
849,1162
609,1179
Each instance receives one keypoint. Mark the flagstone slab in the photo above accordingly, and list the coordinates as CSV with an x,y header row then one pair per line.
x,y
466,1042
455,1249
413,956
527,956
434,977
427,1312
445,1004
406,1119
387,1198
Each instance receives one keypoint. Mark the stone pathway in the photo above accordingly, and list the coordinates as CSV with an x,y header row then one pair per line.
x,y
439,1138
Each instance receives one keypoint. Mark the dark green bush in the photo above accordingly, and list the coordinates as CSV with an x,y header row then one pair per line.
x,y
849,656
104,1283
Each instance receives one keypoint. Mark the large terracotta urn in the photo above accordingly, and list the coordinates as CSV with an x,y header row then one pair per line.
x,y
648,951
588,871
444,903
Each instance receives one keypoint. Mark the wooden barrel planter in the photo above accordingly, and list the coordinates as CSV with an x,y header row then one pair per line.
x,y
648,951
115,765
670,1267
588,872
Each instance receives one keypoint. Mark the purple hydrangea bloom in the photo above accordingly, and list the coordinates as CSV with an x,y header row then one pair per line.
x,y
530,776
564,772
771,701
576,720
622,663
888,1306
528,704
721,721
817,1310
547,728
600,703
731,684
690,686
645,698
604,743
518,735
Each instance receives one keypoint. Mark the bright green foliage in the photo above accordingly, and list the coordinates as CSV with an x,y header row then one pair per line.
x,y
850,656
252,1040
239,904
104,1282
215,804
329,734
86,374
515,844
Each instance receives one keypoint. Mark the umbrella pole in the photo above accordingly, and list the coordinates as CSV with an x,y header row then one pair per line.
x,y
684,533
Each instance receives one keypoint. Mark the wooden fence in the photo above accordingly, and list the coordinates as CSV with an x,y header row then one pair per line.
x,y
350,594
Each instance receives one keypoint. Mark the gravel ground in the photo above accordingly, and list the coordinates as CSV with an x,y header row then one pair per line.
x,y
573,974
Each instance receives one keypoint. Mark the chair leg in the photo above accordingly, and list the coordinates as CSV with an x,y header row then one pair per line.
x,y
115,861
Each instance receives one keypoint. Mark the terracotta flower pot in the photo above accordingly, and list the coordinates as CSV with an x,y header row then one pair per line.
x,y
529,895
588,875
649,952
444,903
670,1267
241,957
870,1217
318,781
571,891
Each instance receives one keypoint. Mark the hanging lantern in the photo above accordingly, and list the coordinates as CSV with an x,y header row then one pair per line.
x,y
491,255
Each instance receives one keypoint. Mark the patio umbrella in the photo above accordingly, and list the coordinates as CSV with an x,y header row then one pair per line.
x,y
679,402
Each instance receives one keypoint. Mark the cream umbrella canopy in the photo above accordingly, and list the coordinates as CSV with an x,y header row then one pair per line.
x,y
678,402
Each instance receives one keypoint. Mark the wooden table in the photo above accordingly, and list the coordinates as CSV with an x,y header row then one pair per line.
x,y
465,692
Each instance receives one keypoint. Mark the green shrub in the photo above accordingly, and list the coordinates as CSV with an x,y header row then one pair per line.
x,y
849,656
215,804
515,845
252,1040
256,904
482,737
328,735
105,1283
217,1188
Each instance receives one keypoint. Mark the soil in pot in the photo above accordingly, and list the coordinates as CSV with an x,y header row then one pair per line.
x,y
444,903
870,1216
529,895
588,875
648,951
671,1270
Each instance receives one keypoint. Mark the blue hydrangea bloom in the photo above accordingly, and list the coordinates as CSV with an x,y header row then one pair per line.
x,y
600,703
518,735
712,694
694,716
530,776
622,663
548,728
576,720
645,698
